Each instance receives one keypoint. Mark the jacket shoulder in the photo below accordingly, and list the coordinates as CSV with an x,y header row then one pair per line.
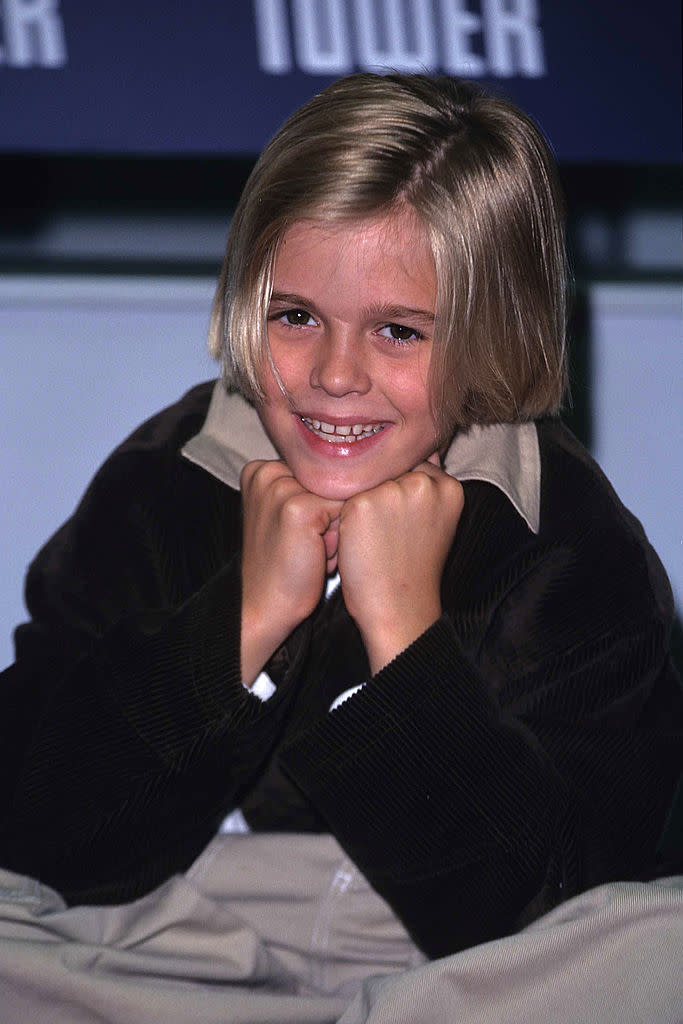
x,y
171,427
146,468
140,504
581,509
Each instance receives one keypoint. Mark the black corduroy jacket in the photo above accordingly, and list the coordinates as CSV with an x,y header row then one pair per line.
x,y
525,747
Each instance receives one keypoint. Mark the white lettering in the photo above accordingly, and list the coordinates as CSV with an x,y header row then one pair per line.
x,y
322,38
34,33
409,45
513,20
272,35
457,26
335,36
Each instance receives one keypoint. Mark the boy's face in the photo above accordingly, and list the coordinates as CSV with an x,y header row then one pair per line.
x,y
350,329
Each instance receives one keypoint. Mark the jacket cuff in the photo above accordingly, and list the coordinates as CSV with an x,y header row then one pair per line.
x,y
174,676
422,752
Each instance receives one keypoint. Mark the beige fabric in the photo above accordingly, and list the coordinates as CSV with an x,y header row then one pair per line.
x,y
284,930
261,930
503,454
230,437
613,955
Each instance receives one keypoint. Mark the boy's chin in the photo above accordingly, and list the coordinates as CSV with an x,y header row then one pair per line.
x,y
333,489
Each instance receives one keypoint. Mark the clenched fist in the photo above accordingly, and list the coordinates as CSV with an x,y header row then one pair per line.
x,y
389,543
288,540
393,543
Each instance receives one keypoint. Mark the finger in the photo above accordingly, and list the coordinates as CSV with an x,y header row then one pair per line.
x,y
331,539
429,468
250,469
330,512
308,510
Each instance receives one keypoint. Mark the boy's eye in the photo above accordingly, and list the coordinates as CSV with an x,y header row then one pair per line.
x,y
297,318
399,332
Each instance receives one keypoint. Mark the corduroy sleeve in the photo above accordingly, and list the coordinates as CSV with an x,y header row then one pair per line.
x,y
472,812
126,732
530,744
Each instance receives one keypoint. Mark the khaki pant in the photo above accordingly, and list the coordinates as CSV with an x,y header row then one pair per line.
x,y
285,930
262,928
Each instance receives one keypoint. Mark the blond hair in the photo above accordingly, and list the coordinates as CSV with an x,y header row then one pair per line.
x,y
481,179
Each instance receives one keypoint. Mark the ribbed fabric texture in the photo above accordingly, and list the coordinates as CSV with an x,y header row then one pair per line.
x,y
528,745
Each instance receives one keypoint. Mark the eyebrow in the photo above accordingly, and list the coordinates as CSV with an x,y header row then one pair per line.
x,y
291,299
378,311
391,312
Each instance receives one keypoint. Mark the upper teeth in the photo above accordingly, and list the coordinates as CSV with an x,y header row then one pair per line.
x,y
351,433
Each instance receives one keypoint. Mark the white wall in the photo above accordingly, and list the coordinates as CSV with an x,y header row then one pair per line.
x,y
84,360
637,397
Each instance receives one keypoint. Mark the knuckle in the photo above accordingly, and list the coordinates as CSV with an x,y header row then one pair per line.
x,y
248,473
456,490
258,472
359,505
418,485
278,484
294,509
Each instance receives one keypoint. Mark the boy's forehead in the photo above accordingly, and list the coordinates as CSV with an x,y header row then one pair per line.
x,y
379,252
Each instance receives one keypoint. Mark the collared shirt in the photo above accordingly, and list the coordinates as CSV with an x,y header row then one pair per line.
x,y
503,454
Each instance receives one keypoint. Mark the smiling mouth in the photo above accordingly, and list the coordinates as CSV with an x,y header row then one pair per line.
x,y
337,434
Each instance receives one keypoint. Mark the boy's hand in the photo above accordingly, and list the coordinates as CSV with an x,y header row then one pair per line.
x,y
393,543
288,540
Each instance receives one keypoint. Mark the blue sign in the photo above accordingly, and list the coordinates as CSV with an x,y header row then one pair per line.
x,y
219,76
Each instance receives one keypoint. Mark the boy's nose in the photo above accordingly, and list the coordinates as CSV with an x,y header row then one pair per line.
x,y
339,367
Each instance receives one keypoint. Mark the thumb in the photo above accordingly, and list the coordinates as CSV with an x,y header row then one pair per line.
x,y
331,538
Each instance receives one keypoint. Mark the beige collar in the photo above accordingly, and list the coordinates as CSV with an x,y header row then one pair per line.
x,y
503,454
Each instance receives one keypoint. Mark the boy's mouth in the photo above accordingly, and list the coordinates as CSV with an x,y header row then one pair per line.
x,y
337,434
